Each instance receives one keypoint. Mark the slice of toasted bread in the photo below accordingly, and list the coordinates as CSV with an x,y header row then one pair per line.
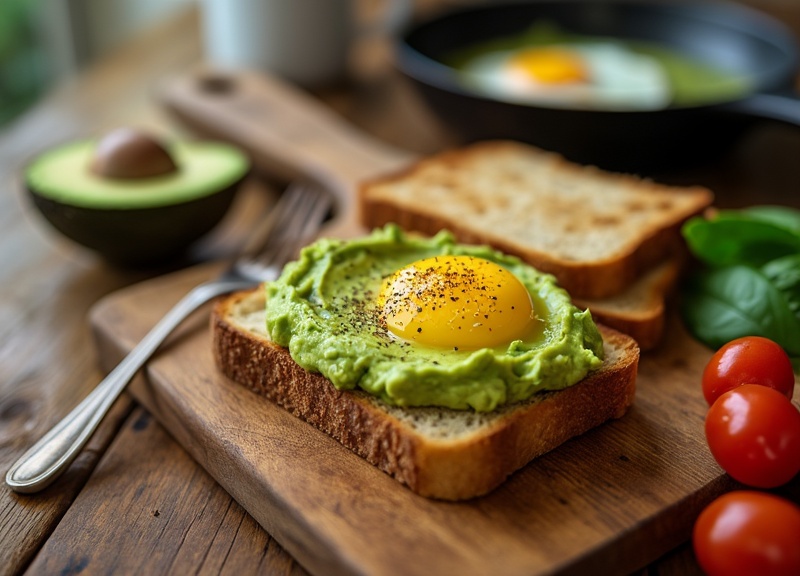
x,y
439,453
597,232
638,311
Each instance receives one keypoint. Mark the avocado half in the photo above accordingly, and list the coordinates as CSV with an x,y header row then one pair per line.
x,y
136,221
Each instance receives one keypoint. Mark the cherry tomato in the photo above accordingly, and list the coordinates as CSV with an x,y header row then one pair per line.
x,y
754,434
748,360
747,533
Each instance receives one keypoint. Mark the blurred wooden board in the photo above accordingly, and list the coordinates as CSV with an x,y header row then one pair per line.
x,y
608,502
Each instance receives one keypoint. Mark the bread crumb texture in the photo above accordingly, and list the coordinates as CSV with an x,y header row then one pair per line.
x,y
506,190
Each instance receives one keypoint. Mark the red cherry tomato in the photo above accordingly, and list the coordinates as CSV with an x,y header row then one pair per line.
x,y
754,434
747,533
748,360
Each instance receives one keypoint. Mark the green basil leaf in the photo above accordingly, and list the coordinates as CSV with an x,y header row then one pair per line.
x,y
734,238
784,274
726,303
781,216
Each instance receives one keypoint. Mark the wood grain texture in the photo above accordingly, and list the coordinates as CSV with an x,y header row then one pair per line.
x,y
178,519
610,501
285,132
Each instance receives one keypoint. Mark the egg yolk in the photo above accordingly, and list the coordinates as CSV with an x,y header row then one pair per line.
x,y
457,302
549,65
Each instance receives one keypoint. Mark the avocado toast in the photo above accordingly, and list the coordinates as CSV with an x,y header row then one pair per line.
x,y
437,452
417,354
610,240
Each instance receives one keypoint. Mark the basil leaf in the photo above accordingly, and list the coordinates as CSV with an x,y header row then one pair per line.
x,y
734,238
781,216
722,304
784,274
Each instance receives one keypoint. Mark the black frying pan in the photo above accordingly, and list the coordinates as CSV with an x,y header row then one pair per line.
x,y
729,36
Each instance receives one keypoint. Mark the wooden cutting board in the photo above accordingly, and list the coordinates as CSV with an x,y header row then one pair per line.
x,y
608,502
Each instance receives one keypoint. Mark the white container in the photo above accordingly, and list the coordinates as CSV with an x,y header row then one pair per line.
x,y
304,41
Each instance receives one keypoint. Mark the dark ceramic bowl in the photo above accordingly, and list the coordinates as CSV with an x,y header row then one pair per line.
x,y
730,36
138,233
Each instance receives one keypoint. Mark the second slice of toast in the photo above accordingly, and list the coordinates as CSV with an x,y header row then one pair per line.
x,y
596,231
640,310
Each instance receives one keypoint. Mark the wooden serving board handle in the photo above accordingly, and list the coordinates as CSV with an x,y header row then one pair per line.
x,y
286,131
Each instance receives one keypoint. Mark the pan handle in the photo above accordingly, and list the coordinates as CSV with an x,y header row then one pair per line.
x,y
779,106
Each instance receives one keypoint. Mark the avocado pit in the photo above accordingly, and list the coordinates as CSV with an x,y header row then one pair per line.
x,y
129,153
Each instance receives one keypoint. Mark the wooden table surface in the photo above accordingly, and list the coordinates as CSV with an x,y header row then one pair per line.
x,y
134,501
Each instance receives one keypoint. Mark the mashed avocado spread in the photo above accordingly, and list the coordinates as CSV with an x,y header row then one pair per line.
x,y
326,308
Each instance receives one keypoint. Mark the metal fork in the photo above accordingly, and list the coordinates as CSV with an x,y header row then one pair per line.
x,y
293,221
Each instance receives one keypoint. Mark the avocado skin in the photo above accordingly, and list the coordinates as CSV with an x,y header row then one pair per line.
x,y
138,237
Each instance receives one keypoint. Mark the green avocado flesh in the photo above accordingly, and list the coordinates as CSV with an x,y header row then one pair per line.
x,y
204,168
324,309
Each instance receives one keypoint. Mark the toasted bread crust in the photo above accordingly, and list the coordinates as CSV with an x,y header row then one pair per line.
x,y
640,310
461,466
445,192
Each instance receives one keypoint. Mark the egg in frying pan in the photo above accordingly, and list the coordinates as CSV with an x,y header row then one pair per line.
x,y
592,75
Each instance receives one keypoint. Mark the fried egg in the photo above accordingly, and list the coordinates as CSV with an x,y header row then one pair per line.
x,y
597,75
457,302
419,321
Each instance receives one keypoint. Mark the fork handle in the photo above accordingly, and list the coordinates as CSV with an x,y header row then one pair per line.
x,y
55,451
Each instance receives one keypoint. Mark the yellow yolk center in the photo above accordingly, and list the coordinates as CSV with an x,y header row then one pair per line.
x,y
549,65
458,302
